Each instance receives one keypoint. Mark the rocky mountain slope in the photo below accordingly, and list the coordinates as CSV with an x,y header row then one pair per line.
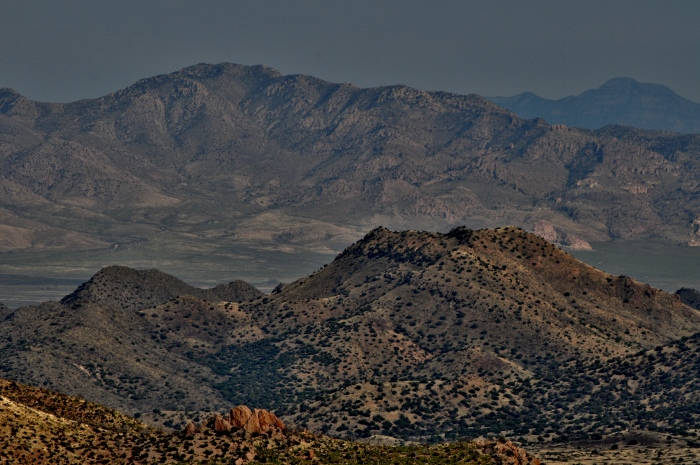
x,y
99,331
690,297
41,427
408,334
618,101
236,153
122,287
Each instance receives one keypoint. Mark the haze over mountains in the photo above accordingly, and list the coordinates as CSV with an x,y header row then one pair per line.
x,y
227,153
415,335
618,101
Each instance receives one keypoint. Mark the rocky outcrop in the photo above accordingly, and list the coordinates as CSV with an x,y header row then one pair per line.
x,y
258,421
240,416
221,424
218,423
695,235
549,232
506,453
190,429
690,297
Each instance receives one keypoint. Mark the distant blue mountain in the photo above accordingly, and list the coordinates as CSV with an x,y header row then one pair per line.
x,y
618,101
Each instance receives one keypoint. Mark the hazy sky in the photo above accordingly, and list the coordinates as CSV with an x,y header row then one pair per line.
x,y
70,49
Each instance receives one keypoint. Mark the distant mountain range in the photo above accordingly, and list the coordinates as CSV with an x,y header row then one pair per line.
x,y
409,334
238,155
618,101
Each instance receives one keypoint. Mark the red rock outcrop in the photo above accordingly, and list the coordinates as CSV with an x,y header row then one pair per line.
x,y
221,424
238,416
506,453
268,420
256,421
549,232
190,429
218,423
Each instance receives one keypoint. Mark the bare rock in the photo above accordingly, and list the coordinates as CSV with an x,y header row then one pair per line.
x,y
546,231
267,420
252,425
551,233
239,416
576,243
221,424
506,452
190,429
256,421
218,423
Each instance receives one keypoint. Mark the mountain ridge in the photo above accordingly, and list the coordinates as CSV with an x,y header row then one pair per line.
x,y
185,139
409,334
139,289
617,101
245,163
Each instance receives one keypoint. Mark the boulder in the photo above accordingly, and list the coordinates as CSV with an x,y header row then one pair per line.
x,y
257,421
221,424
506,453
190,429
239,416
268,421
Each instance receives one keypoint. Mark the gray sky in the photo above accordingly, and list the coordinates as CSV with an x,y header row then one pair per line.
x,y
71,49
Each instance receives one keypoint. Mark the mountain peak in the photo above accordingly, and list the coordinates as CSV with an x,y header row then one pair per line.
x,y
463,315
128,288
620,100
208,70
620,81
8,92
7,97
646,89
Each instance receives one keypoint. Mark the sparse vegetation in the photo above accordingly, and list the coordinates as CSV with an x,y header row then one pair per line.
x,y
522,340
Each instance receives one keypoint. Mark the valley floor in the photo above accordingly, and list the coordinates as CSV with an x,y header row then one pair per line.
x,y
669,452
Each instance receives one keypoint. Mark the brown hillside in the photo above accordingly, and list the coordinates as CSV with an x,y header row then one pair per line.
x,y
409,334
99,346
41,427
129,289
231,153
465,310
